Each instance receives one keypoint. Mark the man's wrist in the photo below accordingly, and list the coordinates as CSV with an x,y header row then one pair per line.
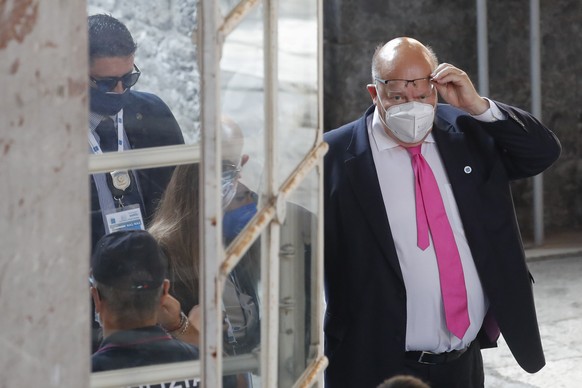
x,y
183,321
481,107
493,113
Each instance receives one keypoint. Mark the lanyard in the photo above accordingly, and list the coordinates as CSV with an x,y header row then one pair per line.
x,y
117,181
94,144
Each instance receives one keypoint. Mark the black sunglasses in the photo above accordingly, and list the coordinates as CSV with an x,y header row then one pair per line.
x,y
109,83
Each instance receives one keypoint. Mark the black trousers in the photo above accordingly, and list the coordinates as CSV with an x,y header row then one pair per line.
x,y
464,372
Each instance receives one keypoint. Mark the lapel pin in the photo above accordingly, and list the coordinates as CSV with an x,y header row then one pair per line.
x,y
467,169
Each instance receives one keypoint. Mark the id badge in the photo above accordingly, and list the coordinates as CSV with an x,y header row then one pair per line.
x,y
126,218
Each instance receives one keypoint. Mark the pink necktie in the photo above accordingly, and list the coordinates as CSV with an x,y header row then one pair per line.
x,y
431,215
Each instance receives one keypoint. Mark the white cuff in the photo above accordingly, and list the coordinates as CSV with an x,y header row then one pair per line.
x,y
492,114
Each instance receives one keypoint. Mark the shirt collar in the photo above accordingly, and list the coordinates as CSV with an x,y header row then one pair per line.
x,y
96,118
133,336
381,139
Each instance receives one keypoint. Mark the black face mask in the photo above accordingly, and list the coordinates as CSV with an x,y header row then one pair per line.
x,y
107,104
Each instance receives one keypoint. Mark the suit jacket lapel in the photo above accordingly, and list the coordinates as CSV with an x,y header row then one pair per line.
x,y
362,175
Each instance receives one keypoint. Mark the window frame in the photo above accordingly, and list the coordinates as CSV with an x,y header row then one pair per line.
x,y
218,262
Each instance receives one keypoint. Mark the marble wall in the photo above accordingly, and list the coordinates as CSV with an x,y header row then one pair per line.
x,y
353,29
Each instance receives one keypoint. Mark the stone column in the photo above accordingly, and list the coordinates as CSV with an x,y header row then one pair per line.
x,y
44,229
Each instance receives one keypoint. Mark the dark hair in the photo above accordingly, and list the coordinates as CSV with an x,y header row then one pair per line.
x,y
108,37
130,306
128,269
129,260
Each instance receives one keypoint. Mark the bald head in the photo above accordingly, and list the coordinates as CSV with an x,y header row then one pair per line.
x,y
232,140
401,57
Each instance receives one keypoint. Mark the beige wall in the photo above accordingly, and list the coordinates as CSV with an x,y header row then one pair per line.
x,y
44,229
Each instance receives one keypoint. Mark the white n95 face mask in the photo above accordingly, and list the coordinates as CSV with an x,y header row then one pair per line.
x,y
229,187
410,122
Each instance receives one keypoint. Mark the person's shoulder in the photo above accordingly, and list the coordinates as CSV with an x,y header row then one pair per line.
x,y
101,362
189,351
346,131
338,133
447,117
147,110
448,112
144,99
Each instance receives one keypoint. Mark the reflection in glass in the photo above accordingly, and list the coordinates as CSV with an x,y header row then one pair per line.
x,y
128,285
152,182
124,117
166,58
242,96
121,119
238,200
226,6
176,225
297,257
241,313
297,78
165,55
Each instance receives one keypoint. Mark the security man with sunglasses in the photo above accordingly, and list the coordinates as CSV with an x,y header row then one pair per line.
x,y
122,119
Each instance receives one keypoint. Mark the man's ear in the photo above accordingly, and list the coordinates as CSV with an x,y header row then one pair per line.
x,y
165,290
166,287
372,91
96,298
244,159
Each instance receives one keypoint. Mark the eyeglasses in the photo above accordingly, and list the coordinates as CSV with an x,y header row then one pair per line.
x,y
107,84
422,87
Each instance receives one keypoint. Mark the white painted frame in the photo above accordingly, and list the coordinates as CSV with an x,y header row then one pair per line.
x,y
217,262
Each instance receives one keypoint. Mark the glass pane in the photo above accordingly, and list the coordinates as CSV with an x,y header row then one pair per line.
x,y
242,97
226,6
165,55
242,316
242,109
298,109
297,261
144,92
145,285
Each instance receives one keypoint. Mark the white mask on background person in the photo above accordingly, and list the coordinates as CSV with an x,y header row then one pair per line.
x,y
229,182
409,122
229,187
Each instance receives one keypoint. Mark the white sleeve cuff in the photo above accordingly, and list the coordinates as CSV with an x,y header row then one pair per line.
x,y
491,114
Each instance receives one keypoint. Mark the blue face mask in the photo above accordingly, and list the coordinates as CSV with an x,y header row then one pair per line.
x,y
235,220
107,104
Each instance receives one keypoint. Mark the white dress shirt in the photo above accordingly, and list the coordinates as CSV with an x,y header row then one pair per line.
x,y
426,328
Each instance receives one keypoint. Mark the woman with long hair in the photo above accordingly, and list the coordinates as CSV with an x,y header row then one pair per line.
x,y
176,227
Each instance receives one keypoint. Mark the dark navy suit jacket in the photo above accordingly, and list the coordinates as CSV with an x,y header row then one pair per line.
x,y
365,320
148,122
